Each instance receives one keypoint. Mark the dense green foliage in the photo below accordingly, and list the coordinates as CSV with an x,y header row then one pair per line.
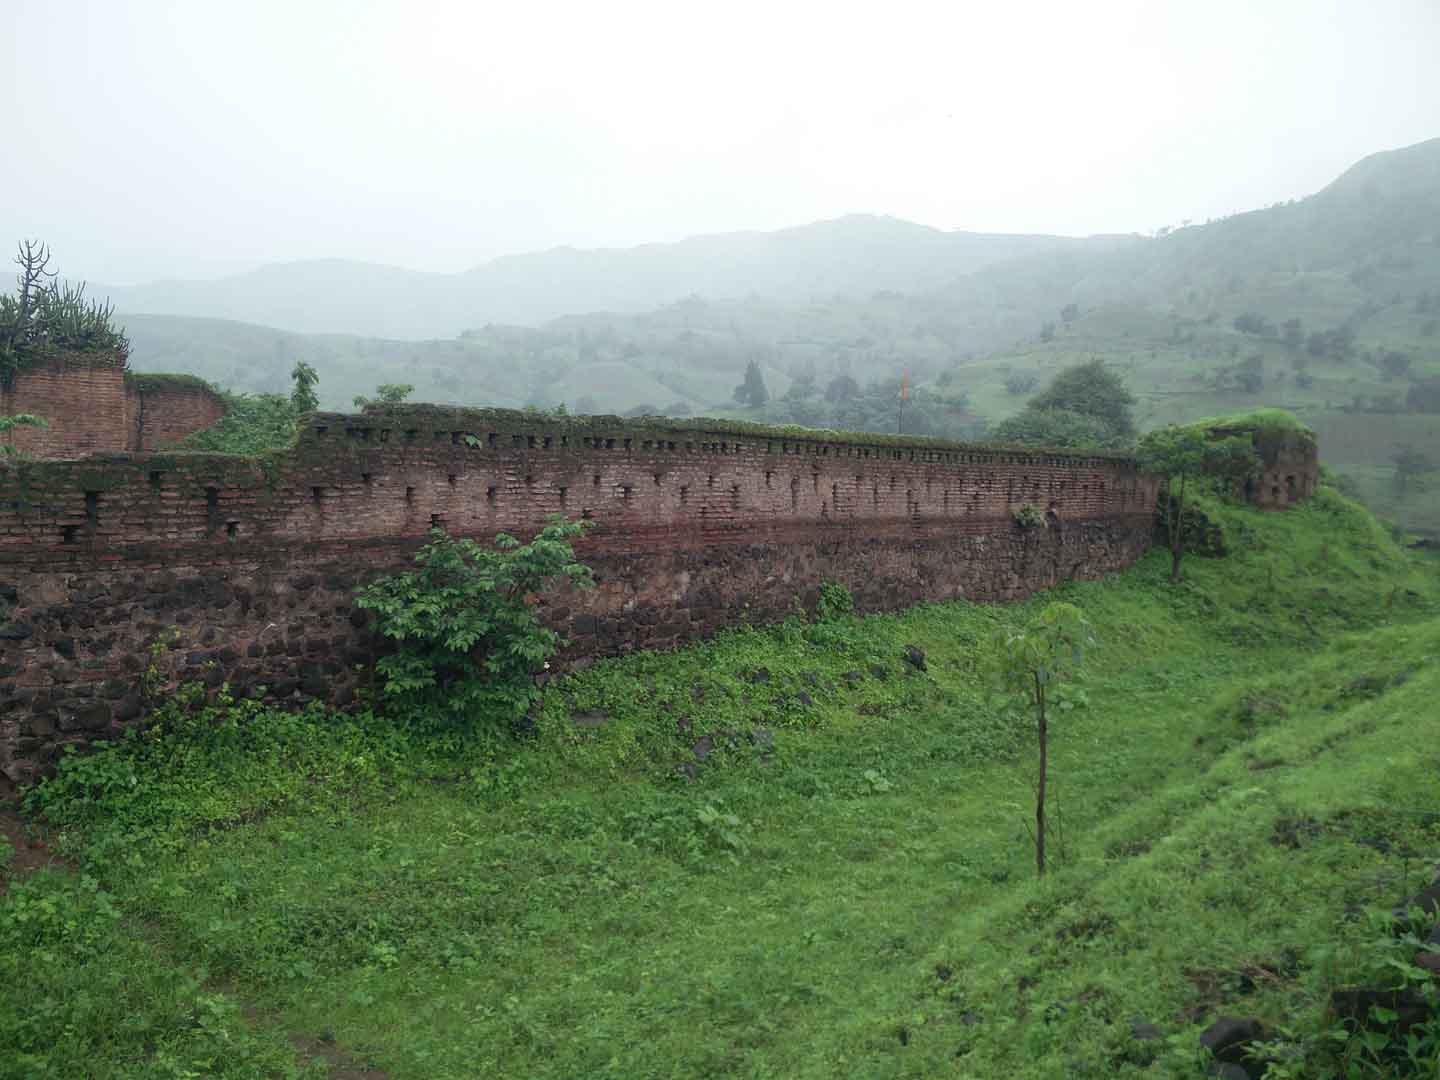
x,y
468,642
303,396
46,316
252,424
785,852
1187,456
1086,405
385,394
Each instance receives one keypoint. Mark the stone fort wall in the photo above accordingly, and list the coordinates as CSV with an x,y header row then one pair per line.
x,y
250,564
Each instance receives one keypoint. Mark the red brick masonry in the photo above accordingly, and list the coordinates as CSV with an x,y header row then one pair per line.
x,y
254,561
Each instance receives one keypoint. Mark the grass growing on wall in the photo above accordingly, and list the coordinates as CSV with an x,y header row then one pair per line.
x,y
786,852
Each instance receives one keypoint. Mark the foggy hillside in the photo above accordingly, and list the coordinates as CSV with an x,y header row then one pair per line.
x,y
859,253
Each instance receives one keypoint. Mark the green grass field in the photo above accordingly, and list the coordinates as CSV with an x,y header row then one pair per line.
x,y
784,853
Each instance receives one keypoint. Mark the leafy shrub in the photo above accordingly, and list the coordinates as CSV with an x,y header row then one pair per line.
x,y
469,643
1028,516
836,601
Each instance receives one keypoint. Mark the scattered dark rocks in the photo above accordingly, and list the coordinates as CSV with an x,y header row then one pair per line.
x,y
1229,1040
1143,1031
702,747
589,719
762,738
880,671
803,699
915,657
16,631
1427,900
1409,1007
759,676
852,679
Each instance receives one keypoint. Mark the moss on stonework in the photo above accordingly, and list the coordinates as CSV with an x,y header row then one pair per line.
x,y
481,422
142,382
1270,425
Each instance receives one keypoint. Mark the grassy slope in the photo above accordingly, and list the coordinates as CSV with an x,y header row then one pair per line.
x,y
1248,756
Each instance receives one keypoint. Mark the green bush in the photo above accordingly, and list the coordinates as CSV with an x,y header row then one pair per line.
x,y
469,643
836,601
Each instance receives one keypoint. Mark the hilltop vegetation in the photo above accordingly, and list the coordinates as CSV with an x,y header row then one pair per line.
x,y
790,852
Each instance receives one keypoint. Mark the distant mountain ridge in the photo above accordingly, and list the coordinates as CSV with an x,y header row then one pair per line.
x,y
857,254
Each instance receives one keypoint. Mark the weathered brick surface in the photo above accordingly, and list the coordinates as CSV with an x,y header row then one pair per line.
x,y
254,562
1291,473
89,408
163,415
82,400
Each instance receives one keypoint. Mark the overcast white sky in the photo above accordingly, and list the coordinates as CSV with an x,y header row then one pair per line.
x,y
147,138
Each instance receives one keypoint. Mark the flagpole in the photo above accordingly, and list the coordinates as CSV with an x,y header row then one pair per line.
x,y
900,420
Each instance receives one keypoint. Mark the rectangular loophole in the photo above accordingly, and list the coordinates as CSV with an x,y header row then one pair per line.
x,y
232,529
92,508
68,534
316,494
564,491
367,479
156,479
490,495
212,508
451,479
409,494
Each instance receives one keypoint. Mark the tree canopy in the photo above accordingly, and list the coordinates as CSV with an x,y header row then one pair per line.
x,y
1086,405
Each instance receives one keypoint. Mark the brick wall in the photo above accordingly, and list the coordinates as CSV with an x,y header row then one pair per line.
x,y
163,412
82,399
1290,473
91,407
255,561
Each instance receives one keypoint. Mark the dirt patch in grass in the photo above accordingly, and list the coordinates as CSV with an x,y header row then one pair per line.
x,y
30,849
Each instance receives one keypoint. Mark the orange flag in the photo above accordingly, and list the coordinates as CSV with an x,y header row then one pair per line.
x,y
904,377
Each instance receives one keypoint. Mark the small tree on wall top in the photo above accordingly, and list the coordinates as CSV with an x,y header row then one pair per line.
x,y
468,639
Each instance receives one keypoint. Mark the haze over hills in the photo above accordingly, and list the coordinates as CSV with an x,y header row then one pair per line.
x,y
1329,305
858,253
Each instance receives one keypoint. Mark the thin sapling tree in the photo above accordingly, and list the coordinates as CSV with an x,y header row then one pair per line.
x,y
1031,662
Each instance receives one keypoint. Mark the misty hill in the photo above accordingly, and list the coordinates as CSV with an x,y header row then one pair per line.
x,y
859,253
1328,306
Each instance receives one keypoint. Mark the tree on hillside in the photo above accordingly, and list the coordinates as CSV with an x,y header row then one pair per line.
x,y
752,391
303,398
1059,428
1185,454
1091,389
385,394
1031,663
1410,466
1084,405
841,388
